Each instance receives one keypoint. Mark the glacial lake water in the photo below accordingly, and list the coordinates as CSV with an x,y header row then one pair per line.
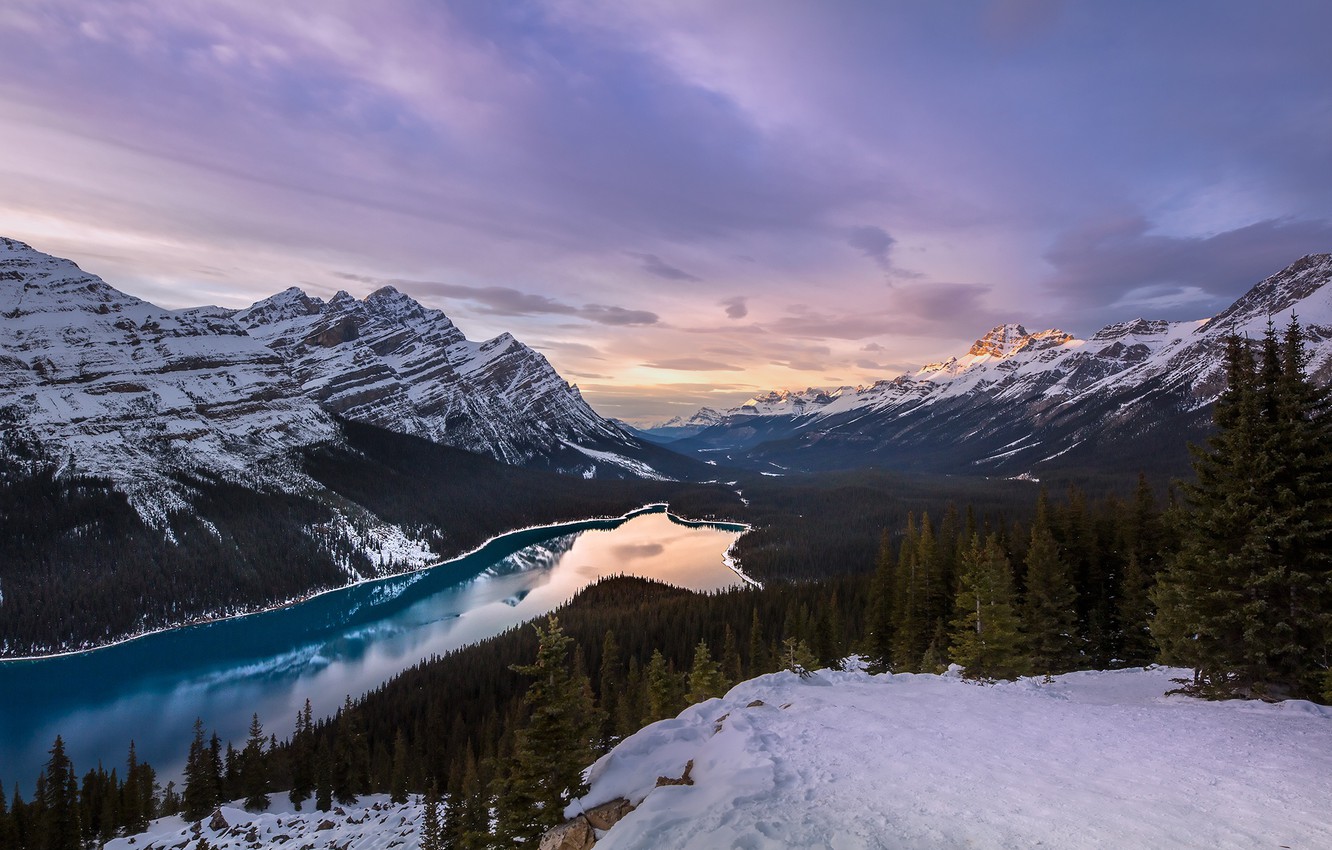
x,y
343,642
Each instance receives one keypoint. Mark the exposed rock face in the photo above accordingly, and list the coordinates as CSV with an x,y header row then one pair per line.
x,y
573,835
606,815
581,832
1019,402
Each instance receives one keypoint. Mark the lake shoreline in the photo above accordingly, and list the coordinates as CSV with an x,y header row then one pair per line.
x,y
206,619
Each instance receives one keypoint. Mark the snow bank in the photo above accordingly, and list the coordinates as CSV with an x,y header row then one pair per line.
x,y
849,760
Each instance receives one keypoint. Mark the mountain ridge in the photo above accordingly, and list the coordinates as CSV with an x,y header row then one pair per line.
x,y
1018,401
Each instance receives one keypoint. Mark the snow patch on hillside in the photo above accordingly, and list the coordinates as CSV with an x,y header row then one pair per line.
x,y
373,824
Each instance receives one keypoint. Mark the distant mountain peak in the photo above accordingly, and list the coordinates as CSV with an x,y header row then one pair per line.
x,y
1006,340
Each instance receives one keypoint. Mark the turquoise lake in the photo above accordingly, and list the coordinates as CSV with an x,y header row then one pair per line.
x,y
343,642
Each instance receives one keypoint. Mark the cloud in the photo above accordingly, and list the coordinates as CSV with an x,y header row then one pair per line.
x,y
605,315
652,264
506,301
693,364
1120,261
873,242
576,349
872,346
736,308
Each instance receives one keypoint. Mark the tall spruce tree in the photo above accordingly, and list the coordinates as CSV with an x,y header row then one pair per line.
x,y
201,785
59,799
705,677
557,742
1049,612
253,769
880,619
985,638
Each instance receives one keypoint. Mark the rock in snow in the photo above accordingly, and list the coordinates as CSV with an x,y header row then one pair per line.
x,y
847,760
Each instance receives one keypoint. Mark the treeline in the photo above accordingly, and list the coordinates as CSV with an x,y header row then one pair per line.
x,y
65,814
1247,603
1068,590
1235,581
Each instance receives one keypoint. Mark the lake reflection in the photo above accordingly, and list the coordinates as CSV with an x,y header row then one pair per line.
x,y
340,643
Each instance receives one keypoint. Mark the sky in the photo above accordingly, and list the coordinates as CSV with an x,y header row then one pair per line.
x,y
679,202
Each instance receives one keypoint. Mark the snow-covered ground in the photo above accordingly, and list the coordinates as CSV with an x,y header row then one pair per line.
x,y
373,824
847,760
1098,759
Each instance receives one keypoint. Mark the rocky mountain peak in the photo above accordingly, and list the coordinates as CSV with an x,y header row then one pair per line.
x,y
1000,341
1006,340
1278,293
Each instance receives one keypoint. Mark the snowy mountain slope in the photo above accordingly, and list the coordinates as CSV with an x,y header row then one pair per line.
x,y
389,361
1021,402
1089,760
132,392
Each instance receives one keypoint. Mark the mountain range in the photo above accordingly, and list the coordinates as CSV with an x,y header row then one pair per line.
x,y
115,387
1024,404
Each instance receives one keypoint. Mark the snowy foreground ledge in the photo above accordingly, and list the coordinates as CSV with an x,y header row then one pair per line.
x,y
1096,759
1100,760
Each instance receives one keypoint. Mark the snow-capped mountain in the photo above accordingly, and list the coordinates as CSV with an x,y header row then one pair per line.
x,y
677,428
1018,402
389,361
122,389
126,390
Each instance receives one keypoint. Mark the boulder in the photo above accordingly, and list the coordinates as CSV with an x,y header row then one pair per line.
x,y
606,815
571,835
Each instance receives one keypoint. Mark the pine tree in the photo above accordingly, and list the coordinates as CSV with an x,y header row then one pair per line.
x,y
432,833
1050,609
880,615
985,637
302,758
61,825
663,689
1146,544
398,782
351,756
474,817
201,792
798,658
609,686
759,662
551,751
253,770
705,677
323,776
731,666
